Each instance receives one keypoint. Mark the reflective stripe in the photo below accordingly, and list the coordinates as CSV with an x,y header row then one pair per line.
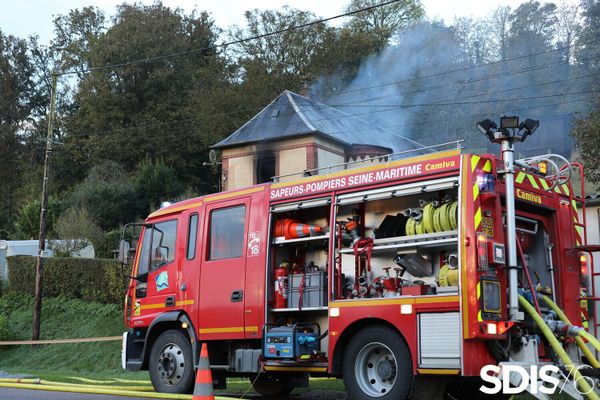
x,y
533,181
474,161
520,177
475,191
203,389
477,218
487,167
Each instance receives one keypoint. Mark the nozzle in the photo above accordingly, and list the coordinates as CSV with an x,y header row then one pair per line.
x,y
416,214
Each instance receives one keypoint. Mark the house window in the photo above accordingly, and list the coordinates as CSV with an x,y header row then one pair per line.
x,y
265,166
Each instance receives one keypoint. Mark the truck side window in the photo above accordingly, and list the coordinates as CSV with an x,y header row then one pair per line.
x,y
163,243
192,234
227,232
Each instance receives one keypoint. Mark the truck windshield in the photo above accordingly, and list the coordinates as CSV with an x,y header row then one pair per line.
x,y
162,236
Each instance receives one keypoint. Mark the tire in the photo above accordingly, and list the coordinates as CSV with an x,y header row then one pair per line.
x,y
171,364
377,365
271,385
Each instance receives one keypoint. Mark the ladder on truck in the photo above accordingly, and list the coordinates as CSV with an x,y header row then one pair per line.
x,y
590,250
561,173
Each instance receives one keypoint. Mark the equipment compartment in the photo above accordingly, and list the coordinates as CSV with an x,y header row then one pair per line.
x,y
299,253
398,241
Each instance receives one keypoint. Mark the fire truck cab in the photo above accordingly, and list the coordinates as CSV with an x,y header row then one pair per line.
x,y
384,275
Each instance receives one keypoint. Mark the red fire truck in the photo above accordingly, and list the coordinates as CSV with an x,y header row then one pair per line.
x,y
384,275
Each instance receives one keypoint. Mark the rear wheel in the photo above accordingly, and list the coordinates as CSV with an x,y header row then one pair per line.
x,y
171,364
271,385
377,365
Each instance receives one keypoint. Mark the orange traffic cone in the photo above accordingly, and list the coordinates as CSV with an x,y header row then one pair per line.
x,y
203,390
298,230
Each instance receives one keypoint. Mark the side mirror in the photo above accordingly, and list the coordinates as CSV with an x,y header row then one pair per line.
x,y
124,247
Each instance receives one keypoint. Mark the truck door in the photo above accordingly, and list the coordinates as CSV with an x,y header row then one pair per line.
x,y
157,269
222,274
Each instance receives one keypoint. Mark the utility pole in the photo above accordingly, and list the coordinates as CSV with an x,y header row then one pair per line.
x,y
39,267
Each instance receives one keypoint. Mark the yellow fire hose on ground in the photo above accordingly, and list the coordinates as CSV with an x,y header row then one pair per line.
x,y
138,388
557,347
586,351
130,391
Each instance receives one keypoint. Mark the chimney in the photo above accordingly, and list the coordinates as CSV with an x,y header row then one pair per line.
x,y
305,90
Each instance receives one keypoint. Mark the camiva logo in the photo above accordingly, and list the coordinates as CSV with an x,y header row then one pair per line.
x,y
529,196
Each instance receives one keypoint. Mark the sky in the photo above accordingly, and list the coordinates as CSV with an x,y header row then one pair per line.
x,y
23,18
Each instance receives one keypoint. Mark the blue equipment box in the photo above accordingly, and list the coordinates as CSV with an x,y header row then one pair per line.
x,y
291,341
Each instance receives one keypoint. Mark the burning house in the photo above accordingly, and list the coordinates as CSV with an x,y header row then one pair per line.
x,y
295,136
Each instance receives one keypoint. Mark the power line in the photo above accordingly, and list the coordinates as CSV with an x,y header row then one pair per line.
x,y
384,127
387,127
349,103
462,69
234,42
474,80
459,103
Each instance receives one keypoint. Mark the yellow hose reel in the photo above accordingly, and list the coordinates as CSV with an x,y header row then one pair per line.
x,y
410,227
432,217
428,212
420,228
453,215
444,217
448,275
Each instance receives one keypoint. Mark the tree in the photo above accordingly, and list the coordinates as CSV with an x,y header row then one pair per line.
x,y
27,224
567,29
154,182
587,132
75,230
532,28
108,196
145,109
384,21
271,64
17,87
475,40
74,36
499,23
345,50
589,39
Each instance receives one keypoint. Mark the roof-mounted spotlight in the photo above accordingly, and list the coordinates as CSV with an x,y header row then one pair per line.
x,y
509,122
528,127
487,127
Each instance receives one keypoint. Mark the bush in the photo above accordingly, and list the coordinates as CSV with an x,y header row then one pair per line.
x,y
99,280
5,333
28,219
109,242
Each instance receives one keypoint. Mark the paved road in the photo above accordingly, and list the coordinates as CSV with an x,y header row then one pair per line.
x,y
28,394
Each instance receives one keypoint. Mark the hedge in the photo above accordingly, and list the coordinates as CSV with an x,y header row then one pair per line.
x,y
100,280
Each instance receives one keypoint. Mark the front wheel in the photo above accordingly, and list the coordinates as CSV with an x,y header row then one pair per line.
x,y
171,364
377,365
